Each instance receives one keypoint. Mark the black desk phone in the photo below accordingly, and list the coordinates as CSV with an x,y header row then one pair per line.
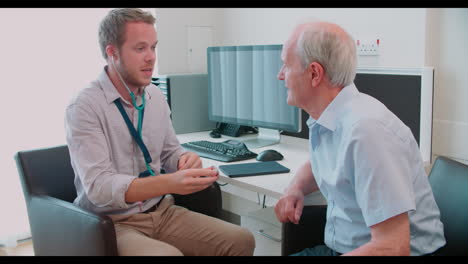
x,y
233,130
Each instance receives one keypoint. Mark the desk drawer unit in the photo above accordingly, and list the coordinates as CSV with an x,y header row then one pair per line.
x,y
266,230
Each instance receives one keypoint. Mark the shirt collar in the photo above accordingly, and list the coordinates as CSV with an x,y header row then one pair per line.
x,y
110,92
330,115
310,121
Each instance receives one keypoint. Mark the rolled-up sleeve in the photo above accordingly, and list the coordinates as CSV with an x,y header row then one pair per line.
x,y
172,150
91,159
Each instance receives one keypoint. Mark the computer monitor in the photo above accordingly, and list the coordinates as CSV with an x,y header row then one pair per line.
x,y
243,89
408,93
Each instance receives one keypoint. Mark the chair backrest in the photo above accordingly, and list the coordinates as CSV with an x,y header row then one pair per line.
x,y
449,182
47,171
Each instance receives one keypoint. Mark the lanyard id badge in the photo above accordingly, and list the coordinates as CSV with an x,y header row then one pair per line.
x,y
137,136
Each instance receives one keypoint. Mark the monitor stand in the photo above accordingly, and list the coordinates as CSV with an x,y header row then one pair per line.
x,y
264,138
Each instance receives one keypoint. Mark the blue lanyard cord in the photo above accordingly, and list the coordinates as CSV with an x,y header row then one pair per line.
x,y
140,121
137,135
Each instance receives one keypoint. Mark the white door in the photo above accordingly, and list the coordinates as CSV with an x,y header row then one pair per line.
x,y
198,40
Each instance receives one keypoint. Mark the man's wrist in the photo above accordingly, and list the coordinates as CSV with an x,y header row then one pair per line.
x,y
293,189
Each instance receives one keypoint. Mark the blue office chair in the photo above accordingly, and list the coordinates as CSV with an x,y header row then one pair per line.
x,y
449,182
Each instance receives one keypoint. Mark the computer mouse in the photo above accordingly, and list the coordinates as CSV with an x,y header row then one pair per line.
x,y
269,155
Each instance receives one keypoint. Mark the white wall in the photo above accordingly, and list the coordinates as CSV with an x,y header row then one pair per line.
x,y
402,39
171,25
46,55
410,37
446,50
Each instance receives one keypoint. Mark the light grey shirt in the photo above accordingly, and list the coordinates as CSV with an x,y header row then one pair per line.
x,y
368,166
104,155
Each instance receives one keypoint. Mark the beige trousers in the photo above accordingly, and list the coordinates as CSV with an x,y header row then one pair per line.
x,y
171,230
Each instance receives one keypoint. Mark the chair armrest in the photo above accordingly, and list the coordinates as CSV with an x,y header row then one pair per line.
x,y
61,228
308,233
207,201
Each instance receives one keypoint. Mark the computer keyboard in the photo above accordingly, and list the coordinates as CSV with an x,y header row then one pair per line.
x,y
226,151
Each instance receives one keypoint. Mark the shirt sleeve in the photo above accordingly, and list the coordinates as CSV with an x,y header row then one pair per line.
x,y
91,158
382,171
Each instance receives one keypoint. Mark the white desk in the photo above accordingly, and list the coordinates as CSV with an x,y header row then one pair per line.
x,y
261,222
295,152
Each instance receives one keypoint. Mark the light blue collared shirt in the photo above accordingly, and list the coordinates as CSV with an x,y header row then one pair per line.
x,y
368,166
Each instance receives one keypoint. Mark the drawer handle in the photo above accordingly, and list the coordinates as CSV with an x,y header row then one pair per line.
x,y
268,236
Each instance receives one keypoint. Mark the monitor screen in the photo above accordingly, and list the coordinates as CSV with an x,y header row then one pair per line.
x,y
243,88
401,94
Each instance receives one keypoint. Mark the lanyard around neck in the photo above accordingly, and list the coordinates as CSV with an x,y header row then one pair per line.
x,y
136,135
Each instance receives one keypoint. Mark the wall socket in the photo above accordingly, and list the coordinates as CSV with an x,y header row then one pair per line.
x,y
368,47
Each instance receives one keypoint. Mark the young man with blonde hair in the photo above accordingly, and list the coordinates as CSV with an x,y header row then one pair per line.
x,y
117,157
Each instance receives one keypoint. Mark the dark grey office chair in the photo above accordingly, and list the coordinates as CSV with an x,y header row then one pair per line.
x,y
58,227
449,181
308,233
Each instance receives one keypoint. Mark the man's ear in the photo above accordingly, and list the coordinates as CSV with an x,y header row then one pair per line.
x,y
111,51
316,72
